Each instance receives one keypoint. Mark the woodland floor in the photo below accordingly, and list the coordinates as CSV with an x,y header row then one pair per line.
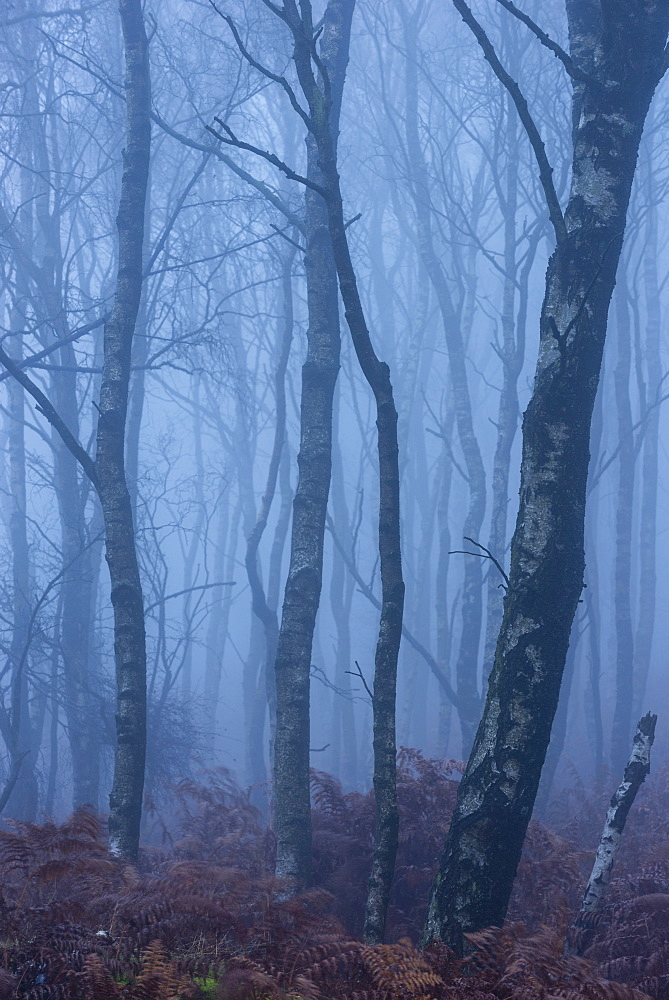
x,y
202,917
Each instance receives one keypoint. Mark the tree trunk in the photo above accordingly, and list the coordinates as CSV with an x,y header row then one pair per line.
x,y
643,643
338,22
125,800
622,715
621,49
305,572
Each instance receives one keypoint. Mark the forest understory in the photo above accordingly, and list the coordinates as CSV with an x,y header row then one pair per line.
x,y
203,916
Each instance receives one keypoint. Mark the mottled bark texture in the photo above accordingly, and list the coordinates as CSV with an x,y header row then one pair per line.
x,y
125,800
638,766
618,53
314,460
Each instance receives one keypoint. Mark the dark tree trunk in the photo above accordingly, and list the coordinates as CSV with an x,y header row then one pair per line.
x,y
338,21
125,800
621,48
305,572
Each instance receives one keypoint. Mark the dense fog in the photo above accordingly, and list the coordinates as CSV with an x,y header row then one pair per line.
x,y
450,237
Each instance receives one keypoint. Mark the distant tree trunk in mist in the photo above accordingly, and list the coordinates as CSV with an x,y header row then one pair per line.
x,y
242,446
305,571
622,714
512,355
442,610
266,613
467,661
618,52
19,796
643,642
591,595
217,632
344,736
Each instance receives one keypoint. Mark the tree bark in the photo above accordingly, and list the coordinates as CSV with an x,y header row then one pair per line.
x,y
125,800
618,49
636,770
338,19
305,572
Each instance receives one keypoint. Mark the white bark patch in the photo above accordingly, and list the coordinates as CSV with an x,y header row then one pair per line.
x,y
595,186
521,626
614,824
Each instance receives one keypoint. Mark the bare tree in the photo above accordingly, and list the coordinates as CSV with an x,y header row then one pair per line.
x,y
107,471
617,58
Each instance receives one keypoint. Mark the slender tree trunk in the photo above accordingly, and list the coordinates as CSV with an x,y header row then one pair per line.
x,y
22,802
442,611
622,715
125,800
338,22
649,466
619,49
305,571
217,631
344,736
265,612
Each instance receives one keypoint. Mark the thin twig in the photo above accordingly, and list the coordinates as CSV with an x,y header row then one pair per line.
x,y
359,673
484,554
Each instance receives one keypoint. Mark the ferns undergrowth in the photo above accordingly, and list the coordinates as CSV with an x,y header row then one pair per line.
x,y
205,919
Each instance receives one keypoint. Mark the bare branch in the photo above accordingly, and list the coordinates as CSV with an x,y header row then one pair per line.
x,y
545,169
45,407
230,139
32,361
436,669
275,77
572,69
272,197
358,673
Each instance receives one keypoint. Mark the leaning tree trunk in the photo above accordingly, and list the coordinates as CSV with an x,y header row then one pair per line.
x,y
618,57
